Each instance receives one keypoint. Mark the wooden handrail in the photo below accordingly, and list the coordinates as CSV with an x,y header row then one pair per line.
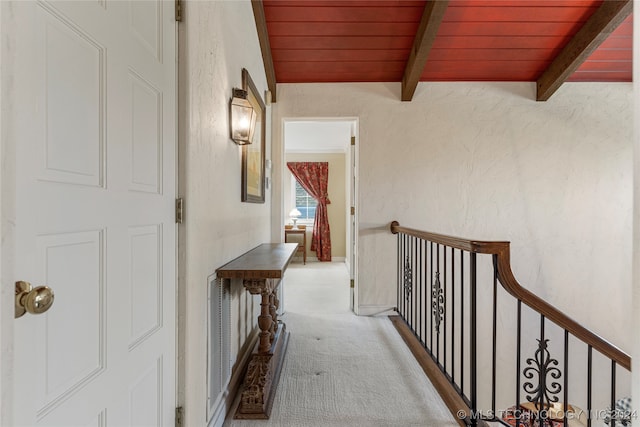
x,y
503,256
477,246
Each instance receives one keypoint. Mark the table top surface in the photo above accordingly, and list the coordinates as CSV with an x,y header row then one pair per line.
x,y
269,260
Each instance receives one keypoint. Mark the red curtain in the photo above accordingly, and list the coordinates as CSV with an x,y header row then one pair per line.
x,y
314,178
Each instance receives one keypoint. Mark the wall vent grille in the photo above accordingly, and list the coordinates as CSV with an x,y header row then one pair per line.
x,y
219,341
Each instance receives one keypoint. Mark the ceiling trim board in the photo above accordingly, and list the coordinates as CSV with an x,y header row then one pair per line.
x,y
434,11
590,36
265,47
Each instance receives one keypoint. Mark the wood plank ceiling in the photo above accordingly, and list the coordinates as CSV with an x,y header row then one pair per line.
x,y
470,40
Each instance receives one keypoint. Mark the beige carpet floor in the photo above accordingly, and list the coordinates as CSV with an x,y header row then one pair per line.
x,y
341,369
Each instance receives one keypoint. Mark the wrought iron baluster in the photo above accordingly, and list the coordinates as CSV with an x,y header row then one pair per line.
x,y
431,299
414,316
566,377
444,309
408,278
462,322
589,366
437,309
473,341
614,412
419,289
401,284
398,273
437,299
453,316
495,334
518,358
425,295
543,366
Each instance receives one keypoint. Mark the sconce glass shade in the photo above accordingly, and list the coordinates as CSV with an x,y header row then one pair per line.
x,y
243,118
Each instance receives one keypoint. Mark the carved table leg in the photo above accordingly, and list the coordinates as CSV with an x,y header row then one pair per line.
x,y
264,368
274,315
276,304
265,322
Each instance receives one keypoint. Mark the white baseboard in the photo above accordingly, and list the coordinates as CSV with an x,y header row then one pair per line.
x,y
226,404
313,258
371,310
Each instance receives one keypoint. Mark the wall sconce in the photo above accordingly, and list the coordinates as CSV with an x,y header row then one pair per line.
x,y
243,118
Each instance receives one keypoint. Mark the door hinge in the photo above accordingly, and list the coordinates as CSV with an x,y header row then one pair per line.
x,y
353,283
353,140
179,210
179,416
178,10
353,210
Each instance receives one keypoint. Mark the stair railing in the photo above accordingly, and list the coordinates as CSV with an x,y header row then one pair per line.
x,y
501,354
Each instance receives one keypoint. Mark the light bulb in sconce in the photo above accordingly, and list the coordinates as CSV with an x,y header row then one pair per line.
x,y
243,124
294,215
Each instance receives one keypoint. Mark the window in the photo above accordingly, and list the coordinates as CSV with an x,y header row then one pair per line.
x,y
304,202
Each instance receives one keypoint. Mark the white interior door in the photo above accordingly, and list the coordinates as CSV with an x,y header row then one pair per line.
x,y
94,108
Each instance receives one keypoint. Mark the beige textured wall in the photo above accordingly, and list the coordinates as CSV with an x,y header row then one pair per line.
x,y
486,161
336,189
216,40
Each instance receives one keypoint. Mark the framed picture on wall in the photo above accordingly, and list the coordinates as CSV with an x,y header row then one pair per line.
x,y
253,154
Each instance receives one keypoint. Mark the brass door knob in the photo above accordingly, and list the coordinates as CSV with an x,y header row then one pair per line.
x,y
33,300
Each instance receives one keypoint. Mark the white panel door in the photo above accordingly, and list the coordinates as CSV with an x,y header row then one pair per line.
x,y
95,121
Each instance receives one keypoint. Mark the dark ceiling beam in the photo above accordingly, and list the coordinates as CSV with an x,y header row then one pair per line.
x,y
425,36
596,30
265,47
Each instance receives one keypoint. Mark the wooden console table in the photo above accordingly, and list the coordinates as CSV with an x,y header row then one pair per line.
x,y
261,270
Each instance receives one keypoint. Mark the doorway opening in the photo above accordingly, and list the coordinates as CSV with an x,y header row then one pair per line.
x,y
331,140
